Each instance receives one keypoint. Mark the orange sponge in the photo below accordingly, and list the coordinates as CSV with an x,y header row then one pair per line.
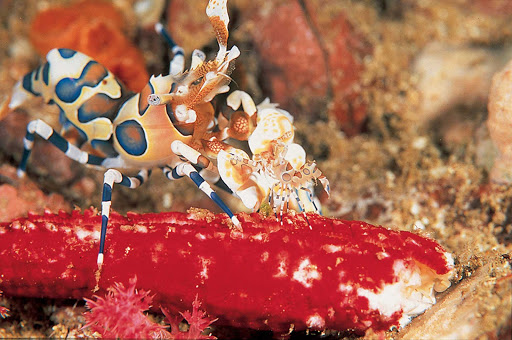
x,y
93,27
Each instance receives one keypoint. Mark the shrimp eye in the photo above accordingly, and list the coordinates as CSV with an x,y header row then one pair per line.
x,y
197,81
286,177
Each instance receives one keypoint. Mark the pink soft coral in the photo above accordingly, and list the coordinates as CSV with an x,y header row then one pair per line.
x,y
197,320
120,314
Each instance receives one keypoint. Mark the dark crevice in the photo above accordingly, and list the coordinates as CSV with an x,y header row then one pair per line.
x,y
392,9
322,44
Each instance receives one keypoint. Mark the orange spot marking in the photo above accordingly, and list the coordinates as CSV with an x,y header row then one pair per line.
x,y
94,73
100,104
133,133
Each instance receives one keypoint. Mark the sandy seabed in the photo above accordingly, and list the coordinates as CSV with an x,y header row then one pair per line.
x,y
421,161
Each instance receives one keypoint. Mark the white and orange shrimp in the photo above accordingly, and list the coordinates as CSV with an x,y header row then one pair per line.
x,y
278,169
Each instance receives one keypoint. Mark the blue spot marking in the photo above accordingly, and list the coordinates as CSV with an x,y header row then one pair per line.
x,y
66,53
105,147
131,137
69,89
27,84
46,73
85,114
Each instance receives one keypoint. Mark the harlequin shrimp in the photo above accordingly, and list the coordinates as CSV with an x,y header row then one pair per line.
x,y
278,168
119,129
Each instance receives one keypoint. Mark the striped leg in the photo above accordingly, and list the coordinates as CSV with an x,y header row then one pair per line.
x,y
295,195
209,170
209,176
114,176
281,199
193,156
46,132
313,199
177,65
186,169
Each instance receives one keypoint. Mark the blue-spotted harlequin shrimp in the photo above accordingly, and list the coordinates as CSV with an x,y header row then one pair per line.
x,y
121,127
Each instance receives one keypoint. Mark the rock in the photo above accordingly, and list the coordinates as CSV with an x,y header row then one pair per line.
x,y
345,47
451,76
494,7
293,61
18,197
315,61
465,312
45,158
499,121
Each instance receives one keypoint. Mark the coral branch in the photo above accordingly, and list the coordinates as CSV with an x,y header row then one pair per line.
x,y
197,319
339,275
